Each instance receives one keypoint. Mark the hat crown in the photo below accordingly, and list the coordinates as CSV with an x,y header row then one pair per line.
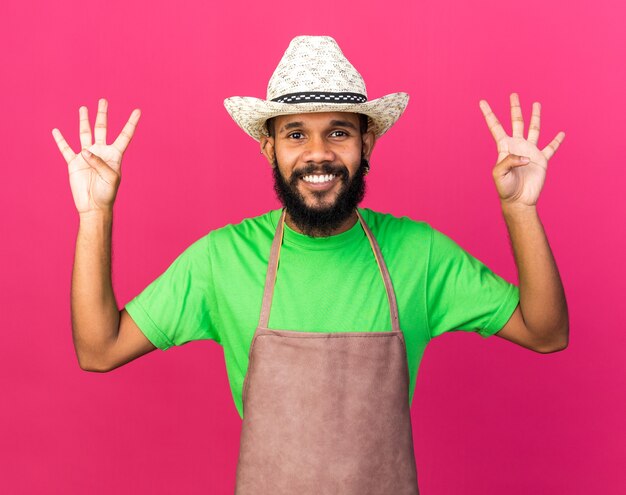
x,y
314,64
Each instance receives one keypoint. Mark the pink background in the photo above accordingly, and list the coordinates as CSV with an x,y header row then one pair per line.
x,y
489,417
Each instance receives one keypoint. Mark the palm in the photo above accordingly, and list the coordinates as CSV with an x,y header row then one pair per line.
x,y
93,189
520,184
90,190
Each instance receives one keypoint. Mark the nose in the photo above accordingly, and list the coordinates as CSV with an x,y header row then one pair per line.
x,y
318,150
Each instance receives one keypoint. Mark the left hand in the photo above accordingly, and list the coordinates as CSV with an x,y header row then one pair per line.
x,y
519,183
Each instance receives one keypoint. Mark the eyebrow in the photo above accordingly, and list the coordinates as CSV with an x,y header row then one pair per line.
x,y
333,123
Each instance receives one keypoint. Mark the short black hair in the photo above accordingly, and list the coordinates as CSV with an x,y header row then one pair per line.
x,y
363,123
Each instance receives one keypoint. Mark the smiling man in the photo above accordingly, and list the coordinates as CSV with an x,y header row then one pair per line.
x,y
323,308
320,187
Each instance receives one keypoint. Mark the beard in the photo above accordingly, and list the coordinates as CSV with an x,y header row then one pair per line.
x,y
321,221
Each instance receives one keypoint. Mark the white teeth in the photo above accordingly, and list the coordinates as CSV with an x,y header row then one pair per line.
x,y
318,178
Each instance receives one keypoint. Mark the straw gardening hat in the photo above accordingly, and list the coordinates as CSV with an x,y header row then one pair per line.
x,y
315,76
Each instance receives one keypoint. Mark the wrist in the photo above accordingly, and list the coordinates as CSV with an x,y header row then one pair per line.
x,y
512,211
96,215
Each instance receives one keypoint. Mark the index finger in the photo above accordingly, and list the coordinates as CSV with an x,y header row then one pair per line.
x,y
121,142
492,121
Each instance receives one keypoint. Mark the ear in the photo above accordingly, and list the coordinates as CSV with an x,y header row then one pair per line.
x,y
267,149
369,139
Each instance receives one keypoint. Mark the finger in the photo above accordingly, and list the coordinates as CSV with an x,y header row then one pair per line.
x,y
100,129
127,132
509,162
84,129
517,121
549,150
535,124
65,149
102,169
492,122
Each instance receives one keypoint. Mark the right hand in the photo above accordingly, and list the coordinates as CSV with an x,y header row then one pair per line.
x,y
94,180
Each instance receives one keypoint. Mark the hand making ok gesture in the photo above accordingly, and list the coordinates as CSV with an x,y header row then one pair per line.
x,y
95,172
518,182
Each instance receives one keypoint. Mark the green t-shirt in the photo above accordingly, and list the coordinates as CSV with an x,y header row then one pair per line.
x,y
214,289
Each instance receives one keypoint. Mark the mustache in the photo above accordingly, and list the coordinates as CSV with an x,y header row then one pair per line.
x,y
326,168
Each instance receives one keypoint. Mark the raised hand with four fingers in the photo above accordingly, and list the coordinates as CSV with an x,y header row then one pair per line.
x,y
519,182
95,172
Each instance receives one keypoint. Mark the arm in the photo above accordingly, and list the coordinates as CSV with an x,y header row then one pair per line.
x,y
540,322
95,316
103,336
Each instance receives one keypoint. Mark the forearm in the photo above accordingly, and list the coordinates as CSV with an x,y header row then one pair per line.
x,y
542,298
95,315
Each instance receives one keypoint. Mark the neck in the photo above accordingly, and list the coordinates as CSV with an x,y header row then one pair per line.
x,y
345,226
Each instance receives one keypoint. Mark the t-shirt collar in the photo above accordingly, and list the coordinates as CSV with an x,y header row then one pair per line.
x,y
291,237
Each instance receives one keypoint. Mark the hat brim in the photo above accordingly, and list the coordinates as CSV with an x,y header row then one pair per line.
x,y
251,113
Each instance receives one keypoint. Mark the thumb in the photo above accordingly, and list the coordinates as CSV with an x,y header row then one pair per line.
x,y
509,162
105,172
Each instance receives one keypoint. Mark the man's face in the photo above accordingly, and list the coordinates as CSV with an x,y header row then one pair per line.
x,y
319,167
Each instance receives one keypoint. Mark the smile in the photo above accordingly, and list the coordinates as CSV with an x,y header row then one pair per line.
x,y
318,179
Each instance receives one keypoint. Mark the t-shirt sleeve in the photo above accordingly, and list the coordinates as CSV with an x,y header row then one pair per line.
x,y
462,293
177,307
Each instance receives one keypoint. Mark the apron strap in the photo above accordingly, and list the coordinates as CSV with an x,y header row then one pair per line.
x,y
391,295
270,278
272,267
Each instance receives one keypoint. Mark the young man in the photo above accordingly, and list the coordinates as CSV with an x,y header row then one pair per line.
x,y
322,348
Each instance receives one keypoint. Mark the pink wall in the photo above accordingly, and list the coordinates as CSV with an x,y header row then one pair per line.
x,y
489,417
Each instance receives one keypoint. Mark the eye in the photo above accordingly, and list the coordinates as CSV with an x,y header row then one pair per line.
x,y
294,134
342,133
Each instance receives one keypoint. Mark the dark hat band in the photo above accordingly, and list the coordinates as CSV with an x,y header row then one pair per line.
x,y
316,96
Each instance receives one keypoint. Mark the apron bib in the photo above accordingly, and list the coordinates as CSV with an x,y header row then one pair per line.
x,y
326,413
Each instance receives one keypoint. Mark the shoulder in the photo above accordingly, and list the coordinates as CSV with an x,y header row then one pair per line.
x,y
391,227
252,230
